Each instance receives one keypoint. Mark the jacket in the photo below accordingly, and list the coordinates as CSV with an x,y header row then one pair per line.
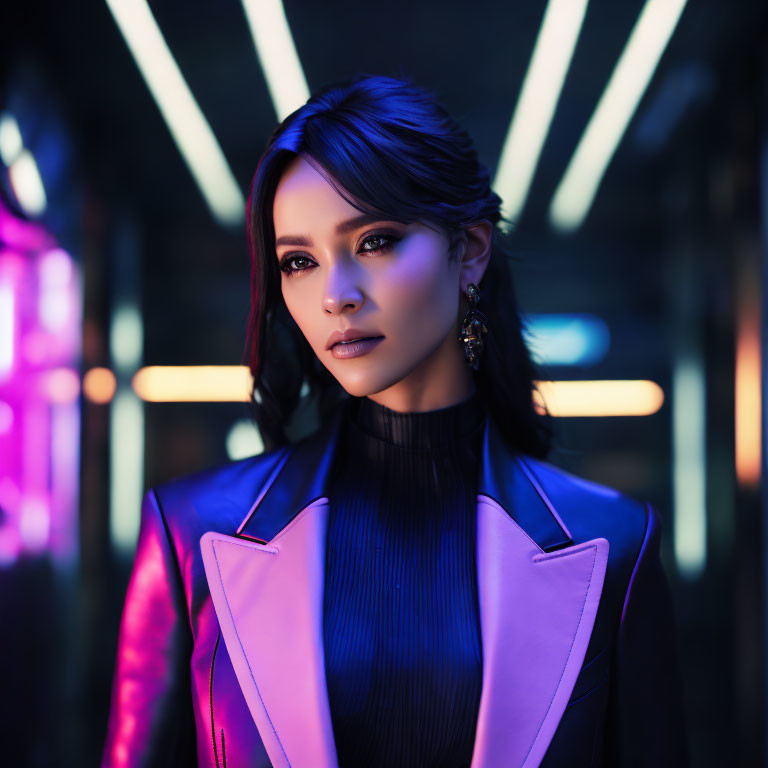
x,y
220,658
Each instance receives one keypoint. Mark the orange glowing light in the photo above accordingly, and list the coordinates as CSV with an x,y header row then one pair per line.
x,y
99,385
193,383
631,397
747,393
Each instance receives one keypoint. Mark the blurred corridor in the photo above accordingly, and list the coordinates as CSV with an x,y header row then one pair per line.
x,y
629,142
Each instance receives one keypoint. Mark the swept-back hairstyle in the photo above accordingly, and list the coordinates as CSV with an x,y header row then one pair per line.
x,y
391,150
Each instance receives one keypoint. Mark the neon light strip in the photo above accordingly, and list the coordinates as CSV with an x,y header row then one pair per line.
x,y
277,55
634,70
187,124
535,107
232,383
689,463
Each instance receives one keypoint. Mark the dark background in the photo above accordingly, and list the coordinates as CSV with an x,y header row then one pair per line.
x,y
678,225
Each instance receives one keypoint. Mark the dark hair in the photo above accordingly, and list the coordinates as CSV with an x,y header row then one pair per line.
x,y
390,149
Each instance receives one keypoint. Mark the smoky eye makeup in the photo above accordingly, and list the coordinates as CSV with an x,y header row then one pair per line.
x,y
375,242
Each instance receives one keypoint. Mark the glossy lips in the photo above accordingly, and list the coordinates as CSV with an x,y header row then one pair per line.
x,y
351,334
355,348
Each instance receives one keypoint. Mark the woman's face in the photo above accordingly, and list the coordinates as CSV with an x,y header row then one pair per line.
x,y
341,270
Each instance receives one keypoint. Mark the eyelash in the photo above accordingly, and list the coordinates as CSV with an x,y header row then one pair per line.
x,y
389,242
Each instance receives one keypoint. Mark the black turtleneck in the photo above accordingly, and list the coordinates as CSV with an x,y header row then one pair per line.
x,y
401,624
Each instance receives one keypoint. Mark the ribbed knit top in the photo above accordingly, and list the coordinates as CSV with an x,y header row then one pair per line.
x,y
401,626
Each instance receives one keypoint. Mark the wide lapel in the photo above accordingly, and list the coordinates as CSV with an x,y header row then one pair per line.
x,y
266,583
537,607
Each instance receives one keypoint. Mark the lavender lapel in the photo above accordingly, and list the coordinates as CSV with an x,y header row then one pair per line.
x,y
537,610
537,607
539,594
268,599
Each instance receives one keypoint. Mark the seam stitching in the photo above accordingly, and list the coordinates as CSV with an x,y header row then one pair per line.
x,y
237,635
570,653
210,694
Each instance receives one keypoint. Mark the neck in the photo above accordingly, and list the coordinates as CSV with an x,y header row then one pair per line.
x,y
435,431
440,381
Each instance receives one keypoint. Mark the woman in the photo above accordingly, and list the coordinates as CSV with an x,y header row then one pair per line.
x,y
409,583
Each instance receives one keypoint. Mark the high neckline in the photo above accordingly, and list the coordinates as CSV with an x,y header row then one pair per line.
x,y
433,431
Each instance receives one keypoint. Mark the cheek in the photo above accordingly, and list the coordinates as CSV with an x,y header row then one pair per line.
x,y
421,292
298,303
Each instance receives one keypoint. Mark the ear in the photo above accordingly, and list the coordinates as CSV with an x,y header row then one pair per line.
x,y
477,253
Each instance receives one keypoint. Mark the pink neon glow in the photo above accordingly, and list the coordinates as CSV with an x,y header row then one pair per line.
x,y
60,385
23,235
40,323
6,417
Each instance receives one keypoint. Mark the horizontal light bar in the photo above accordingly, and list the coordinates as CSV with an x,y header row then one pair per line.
x,y
193,383
535,107
574,196
187,124
277,55
232,383
600,397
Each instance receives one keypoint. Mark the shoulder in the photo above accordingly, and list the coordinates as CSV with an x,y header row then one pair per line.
x,y
216,498
631,526
590,510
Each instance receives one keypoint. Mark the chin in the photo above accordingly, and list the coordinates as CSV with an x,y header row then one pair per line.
x,y
366,385
359,389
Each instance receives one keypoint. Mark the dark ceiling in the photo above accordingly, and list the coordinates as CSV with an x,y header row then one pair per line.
x,y
194,273
474,57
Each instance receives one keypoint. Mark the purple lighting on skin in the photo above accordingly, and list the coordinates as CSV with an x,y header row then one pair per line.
x,y
39,394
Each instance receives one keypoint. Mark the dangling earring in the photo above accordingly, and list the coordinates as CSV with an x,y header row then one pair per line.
x,y
473,328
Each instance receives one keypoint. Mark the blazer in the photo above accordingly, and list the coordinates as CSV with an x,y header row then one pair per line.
x,y
220,655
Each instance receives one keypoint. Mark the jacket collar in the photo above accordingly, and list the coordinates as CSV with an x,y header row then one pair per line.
x,y
304,473
538,596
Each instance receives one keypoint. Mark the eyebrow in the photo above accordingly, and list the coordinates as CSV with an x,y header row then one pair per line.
x,y
342,229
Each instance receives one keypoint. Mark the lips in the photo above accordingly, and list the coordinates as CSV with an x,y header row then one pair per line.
x,y
352,341
346,350
350,335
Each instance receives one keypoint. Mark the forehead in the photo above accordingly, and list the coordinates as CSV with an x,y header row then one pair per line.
x,y
305,197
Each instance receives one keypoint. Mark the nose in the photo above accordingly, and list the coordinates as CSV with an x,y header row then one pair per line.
x,y
341,291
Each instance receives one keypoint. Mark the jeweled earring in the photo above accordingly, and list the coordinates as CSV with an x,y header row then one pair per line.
x,y
473,328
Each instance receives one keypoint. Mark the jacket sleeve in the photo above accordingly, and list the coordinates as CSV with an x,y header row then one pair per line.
x,y
646,722
151,721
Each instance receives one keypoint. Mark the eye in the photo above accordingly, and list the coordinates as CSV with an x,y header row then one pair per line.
x,y
381,243
285,264
387,242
